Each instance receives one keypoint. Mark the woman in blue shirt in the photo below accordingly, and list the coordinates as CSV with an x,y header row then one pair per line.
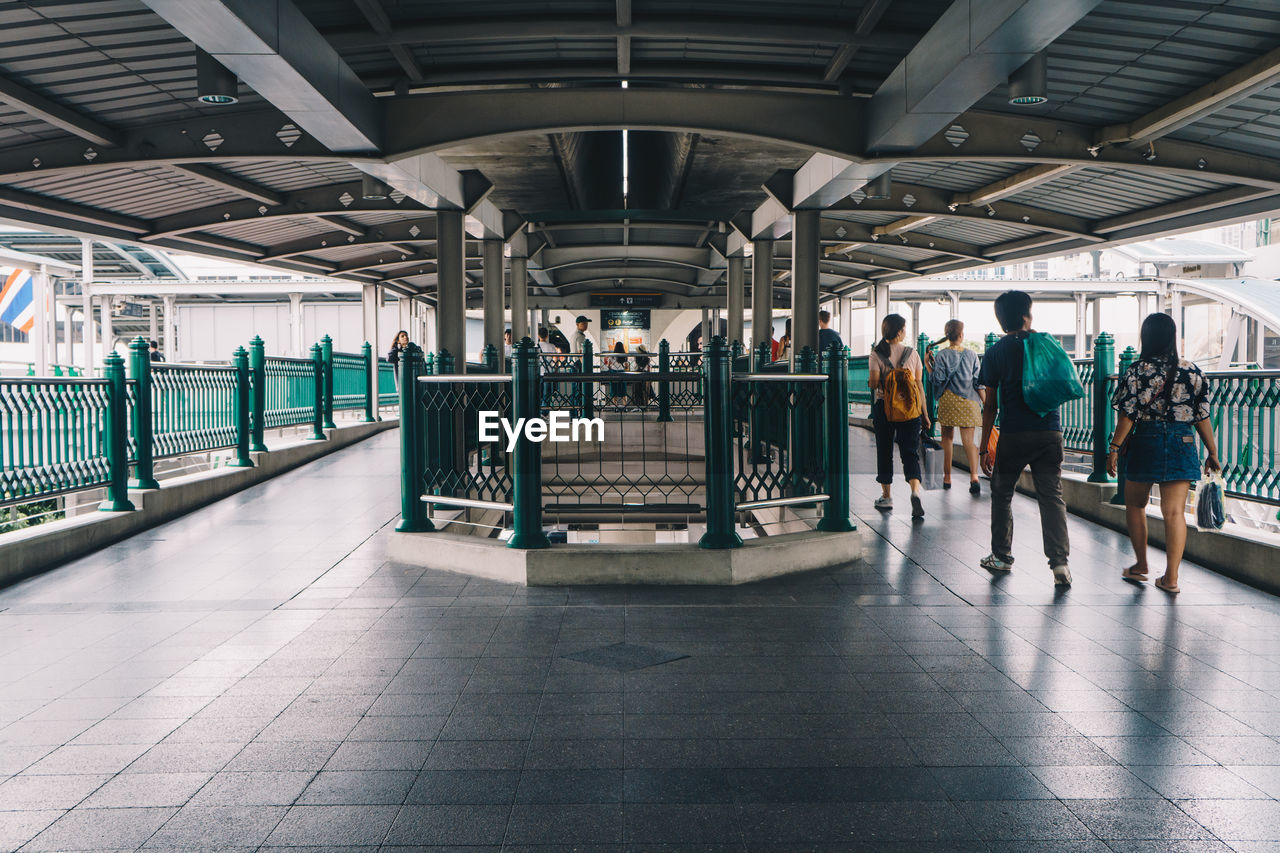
x,y
953,375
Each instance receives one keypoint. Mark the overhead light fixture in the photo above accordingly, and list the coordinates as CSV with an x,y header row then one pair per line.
x,y
215,83
880,187
1028,86
373,189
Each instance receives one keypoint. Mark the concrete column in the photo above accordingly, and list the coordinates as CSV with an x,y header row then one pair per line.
x,y
1144,306
761,291
915,321
86,305
806,249
1082,302
544,320
706,327
1175,308
451,287
520,300
68,334
1097,316
407,316
427,315
170,328
494,304
735,281
880,302
40,298
369,299
295,325
1259,343
108,327
954,298
153,320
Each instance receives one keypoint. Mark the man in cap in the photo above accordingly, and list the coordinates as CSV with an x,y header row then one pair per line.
x,y
579,337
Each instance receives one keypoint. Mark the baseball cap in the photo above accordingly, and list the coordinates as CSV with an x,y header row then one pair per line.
x,y
582,318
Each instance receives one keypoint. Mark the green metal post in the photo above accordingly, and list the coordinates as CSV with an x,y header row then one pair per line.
x,y
931,405
588,387
990,341
413,512
317,361
805,430
240,408
1104,419
835,515
763,355
370,382
444,363
326,348
440,430
526,486
258,373
144,455
489,356
1127,358
664,385
717,428
117,436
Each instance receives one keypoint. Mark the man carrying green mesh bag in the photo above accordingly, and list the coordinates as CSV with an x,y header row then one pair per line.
x,y
1031,376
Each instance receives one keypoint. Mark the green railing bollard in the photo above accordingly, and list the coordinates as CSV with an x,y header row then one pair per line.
x,y
991,339
489,357
431,365
240,408
526,463
930,404
258,384
1127,358
444,363
835,515
805,438
317,362
717,428
326,348
117,436
144,453
413,512
441,428
588,387
763,355
370,382
664,385
1104,420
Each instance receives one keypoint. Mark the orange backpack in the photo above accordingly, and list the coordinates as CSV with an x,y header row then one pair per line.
x,y
901,392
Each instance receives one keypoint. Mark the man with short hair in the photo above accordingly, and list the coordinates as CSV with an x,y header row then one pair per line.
x,y
154,349
827,335
579,337
1027,439
544,342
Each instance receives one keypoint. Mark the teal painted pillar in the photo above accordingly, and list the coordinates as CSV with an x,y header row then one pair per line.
x,y
413,512
835,514
526,486
431,365
317,366
144,454
664,385
990,341
117,436
718,436
588,387
1127,358
931,405
370,383
326,348
258,372
489,355
1104,420
240,408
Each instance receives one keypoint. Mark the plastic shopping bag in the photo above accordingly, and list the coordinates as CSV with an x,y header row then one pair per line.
x,y
1211,511
1049,377
931,463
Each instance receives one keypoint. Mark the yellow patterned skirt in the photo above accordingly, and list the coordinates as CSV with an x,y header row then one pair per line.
x,y
956,411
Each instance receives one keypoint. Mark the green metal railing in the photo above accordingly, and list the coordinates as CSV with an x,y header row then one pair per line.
x,y
59,435
1243,414
387,394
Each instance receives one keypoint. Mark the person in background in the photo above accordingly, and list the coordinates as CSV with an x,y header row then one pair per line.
x,y
617,363
579,337
784,344
887,356
953,374
544,341
1161,402
826,335
640,389
506,344
1026,439
399,345
154,349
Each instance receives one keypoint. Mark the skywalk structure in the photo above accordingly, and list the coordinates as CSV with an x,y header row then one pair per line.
x,y
636,156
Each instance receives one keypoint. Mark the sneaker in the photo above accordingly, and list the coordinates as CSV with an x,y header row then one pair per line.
x,y
917,508
884,503
1061,575
975,489
992,563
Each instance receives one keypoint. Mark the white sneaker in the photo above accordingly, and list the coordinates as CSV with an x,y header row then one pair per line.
x,y
884,503
1061,575
992,563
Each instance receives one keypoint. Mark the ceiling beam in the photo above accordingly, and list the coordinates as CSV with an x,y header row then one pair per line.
x,y
377,18
1199,204
907,223
215,177
390,232
1013,184
85,214
1231,87
343,224
867,20
622,18
57,115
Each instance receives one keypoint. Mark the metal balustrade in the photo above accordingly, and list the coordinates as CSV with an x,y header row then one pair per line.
x,y
53,436
290,389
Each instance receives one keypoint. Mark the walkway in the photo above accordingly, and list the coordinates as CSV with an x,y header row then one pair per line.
x,y
256,676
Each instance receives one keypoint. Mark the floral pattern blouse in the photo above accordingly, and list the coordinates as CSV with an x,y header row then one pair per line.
x,y
1141,396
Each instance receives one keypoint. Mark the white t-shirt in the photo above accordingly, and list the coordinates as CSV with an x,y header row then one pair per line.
x,y
547,346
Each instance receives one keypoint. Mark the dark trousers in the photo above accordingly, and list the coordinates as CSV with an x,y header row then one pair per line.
x,y
906,434
1042,452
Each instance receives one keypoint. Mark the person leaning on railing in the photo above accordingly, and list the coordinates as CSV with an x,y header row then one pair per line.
x,y
1162,401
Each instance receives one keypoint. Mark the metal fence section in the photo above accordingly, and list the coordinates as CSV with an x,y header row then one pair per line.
x,y
387,395
350,376
53,436
192,408
1243,414
290,385
459,468
778,428
1076,416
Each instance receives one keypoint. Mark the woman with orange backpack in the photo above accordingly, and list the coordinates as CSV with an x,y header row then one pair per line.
x,y
897,412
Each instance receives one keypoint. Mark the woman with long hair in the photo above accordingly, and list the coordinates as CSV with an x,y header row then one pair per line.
x,y
953,375
1161,403
784,344
399,345
888,358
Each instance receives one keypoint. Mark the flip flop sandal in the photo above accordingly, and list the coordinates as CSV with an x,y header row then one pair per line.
x,y
1134,577
1160,582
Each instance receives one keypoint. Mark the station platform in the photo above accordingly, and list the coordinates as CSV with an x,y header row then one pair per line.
x,y
258,676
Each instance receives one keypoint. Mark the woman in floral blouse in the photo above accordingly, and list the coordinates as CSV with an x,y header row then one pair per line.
x,y
1161,403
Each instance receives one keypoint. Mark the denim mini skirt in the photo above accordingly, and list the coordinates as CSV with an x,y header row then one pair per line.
x,y
1162,452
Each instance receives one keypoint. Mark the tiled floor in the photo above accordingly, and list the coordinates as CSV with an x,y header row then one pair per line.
x,y
257,676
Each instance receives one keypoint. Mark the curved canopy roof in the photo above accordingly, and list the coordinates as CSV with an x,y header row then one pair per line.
x,y
1161,116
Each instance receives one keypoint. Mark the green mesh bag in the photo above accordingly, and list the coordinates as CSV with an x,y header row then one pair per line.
x,y
1048,377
